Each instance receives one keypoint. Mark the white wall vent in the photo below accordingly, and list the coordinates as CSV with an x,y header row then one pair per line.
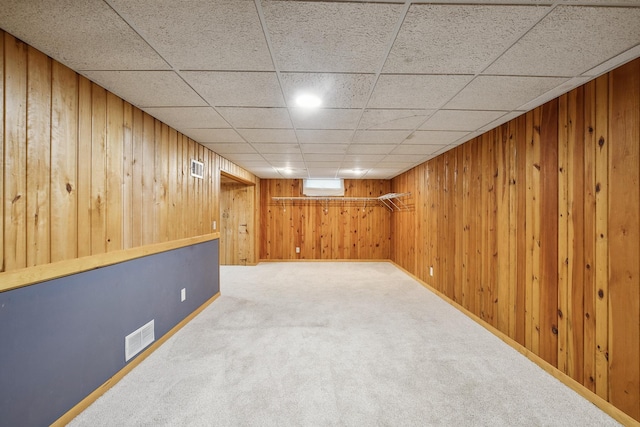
x,y
197,169
136,341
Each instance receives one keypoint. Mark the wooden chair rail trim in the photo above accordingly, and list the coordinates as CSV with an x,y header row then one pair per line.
x,y
31,275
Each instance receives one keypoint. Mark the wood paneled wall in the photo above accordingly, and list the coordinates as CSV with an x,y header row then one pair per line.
x,y
337,230
85,173
535,227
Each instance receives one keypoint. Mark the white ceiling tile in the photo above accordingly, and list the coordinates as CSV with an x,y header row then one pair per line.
x,y
289,164
404,158
364,159
231,148
238,157
84,35
465,120
257,118
393,119
324,136
335,90
571,40
188,117
256,164
400,165
265,172
201,35
554,93
351,173
614,62
323,172
282,157
416,91
319,36
213,135
323,157
380,136
417,149
237,89
325,119
274,148
434,137
324,148
148,88
293,173
457,39
370,148
269,135
320,165
502,92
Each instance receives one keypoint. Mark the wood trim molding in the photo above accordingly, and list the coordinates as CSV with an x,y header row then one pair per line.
x,y
601,403
84,403
236,178
31,275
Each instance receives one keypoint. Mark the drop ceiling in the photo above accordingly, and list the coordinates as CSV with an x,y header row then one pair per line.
x,y
400,81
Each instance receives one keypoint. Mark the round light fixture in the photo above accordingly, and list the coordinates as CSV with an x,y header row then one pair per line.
x,y
306,100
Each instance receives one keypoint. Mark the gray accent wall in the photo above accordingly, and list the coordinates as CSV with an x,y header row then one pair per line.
x,y
62,339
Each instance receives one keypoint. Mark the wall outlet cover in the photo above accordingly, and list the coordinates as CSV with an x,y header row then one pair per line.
x,y
183,294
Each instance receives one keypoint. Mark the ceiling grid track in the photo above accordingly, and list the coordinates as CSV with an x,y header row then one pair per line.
x,y
402,81
392,40
478,73
267,37
179,74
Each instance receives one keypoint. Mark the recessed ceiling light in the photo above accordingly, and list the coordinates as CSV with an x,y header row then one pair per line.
x,y
306,100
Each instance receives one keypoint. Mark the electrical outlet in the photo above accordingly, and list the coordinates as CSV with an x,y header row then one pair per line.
x,y
214,225
431,271
183,294
297,249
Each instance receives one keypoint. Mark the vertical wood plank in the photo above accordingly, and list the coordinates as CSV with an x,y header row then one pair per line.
x,y
523,272
563,261
549,234
148,187
38,157
138,179
98,169
115,170
162,182
589,239
174,195
64,165
127,184
624,238
159,223
15,137
576,236
534,200
192,194
467,292
84,166
512,179
457,225
602,237
502,189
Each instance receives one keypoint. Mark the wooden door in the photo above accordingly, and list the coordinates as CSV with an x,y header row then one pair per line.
x,y
237,234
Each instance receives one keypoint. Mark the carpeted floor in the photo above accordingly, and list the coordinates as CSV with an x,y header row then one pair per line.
x,y
335,344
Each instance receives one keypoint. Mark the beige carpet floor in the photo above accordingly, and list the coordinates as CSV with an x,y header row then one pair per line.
x,y
335,344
